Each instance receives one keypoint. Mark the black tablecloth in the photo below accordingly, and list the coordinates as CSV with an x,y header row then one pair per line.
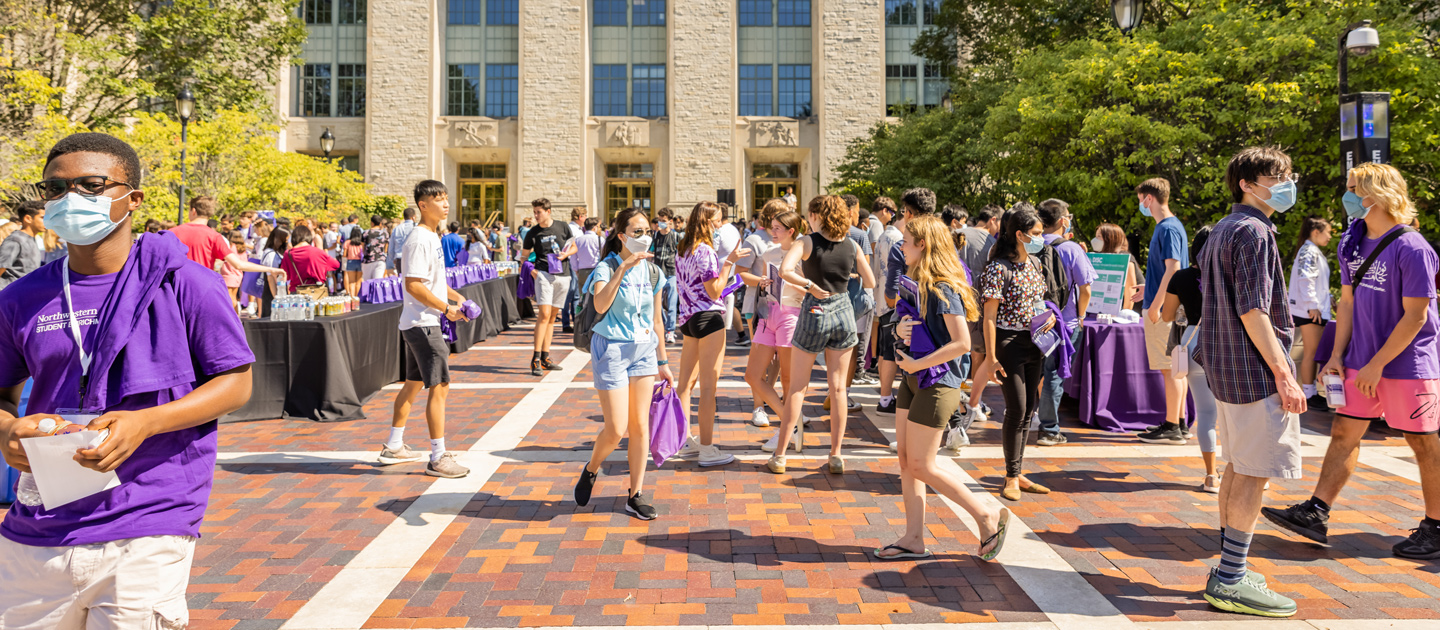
x,y
326,369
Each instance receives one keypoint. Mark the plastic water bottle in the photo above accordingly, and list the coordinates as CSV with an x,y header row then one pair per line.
x,y
27,492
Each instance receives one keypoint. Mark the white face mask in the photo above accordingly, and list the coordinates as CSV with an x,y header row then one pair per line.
x,y
637,244
1097,243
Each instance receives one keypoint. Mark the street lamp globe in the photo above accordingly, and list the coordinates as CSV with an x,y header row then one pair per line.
x,y
1362,41
1127,14
327,142
185,103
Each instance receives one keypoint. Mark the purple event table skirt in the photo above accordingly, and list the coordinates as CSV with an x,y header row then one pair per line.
x,y
392,289
1113,381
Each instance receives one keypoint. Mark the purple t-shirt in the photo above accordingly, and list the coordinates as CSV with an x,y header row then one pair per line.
x,y
1405,269
692,271
165,484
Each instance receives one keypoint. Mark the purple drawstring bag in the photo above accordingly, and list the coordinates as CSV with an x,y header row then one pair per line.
x,y
668,428
525,283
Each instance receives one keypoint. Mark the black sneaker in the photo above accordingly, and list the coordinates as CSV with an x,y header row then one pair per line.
x,y
641,508
537,368
549,365
1317,403
1423,543
1302,519
1051,439
585,486
884,408
567,329
1164,434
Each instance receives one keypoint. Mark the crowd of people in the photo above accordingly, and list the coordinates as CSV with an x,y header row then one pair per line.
x,y
139,338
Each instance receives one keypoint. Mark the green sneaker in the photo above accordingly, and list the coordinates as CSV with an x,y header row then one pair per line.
x,y
1248,597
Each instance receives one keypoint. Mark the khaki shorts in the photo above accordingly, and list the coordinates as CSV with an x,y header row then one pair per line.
x,y
1260,439
550,290
1157,338
125,584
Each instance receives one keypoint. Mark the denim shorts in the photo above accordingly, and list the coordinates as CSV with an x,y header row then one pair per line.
x,y
614,363
352,264
833,327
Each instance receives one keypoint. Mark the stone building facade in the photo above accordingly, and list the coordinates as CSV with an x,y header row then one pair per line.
x,y
601,103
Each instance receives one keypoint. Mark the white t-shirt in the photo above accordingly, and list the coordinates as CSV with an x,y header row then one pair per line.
x,y
790,295
759,244
422,258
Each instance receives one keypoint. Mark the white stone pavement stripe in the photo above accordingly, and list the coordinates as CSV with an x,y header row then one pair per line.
x,y
1064,595
348,599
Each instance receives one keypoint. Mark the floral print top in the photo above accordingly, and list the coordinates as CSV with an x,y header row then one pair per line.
x,y
1018,287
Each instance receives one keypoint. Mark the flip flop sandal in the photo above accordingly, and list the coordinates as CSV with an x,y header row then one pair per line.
x,y
905,554
998,537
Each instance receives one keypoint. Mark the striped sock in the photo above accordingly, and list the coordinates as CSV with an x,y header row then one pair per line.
x,y
1234,547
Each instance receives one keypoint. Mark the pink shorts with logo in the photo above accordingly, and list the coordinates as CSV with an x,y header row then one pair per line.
x,y
1408,405
778,329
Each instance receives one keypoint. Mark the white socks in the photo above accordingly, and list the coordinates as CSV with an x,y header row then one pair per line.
x,y
885,400
397,438
437,448
1309,390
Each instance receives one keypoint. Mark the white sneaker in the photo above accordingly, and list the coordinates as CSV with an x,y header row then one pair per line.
x,y
770,444
758,418
851,404
955,439
691,449
712,456
806,419
976,415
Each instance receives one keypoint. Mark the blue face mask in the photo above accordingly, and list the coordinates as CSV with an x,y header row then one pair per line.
x,y
1144,210
1035,244
1353,207
81,219
1282,196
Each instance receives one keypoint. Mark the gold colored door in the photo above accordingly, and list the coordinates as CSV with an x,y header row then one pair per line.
x,y
622,195
482,200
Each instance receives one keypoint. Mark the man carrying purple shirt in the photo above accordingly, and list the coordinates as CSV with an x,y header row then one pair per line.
x,y
1055,214
87,332
1245,336
1388,361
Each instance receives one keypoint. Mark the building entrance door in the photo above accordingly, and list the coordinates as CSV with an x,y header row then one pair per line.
x,y
769,181
628,186
482,194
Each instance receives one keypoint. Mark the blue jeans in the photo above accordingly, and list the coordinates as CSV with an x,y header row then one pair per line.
x,y
1052,389
672,303
574,294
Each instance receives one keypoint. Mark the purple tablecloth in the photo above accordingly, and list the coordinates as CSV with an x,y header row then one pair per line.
x,y
1113,381
392,289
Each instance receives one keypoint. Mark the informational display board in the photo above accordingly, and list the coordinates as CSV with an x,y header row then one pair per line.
x,y
1108,291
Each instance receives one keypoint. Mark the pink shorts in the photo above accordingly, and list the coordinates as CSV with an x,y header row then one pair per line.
x,y
777,329
1407,405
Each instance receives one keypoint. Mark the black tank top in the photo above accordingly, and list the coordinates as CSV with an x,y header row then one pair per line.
x,y
830,263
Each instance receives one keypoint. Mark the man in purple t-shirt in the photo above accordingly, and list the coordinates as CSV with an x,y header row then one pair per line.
x,y
1389,363
1055,214
85,333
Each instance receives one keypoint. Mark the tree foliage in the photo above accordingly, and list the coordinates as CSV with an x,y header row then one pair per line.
x,y
1087,119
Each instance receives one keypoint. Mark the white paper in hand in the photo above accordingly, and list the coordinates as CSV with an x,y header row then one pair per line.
x,y
59,477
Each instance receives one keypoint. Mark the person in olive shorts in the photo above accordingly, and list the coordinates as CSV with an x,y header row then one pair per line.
x,y
922,413
827,323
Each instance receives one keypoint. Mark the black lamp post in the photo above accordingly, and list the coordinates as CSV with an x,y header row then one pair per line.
x,y
1127,14
184,108
327,143
1364,116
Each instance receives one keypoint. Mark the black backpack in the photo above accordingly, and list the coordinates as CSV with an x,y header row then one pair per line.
x,y
585,314
1057,281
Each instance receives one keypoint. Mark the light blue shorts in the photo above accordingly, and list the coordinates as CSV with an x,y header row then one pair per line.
x,y
616,362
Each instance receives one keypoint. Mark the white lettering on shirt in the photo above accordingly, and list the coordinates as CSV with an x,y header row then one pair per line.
x,y
58,321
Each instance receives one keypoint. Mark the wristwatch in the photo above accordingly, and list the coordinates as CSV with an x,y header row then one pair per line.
x,y
808,284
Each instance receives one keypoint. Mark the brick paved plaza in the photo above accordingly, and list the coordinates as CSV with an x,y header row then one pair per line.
x,y
305,531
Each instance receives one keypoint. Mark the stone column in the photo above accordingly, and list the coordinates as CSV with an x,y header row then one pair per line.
x,y
401,63
702,104
851,95
553,85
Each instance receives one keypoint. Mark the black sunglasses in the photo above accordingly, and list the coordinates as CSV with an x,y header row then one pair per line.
x,y
55,188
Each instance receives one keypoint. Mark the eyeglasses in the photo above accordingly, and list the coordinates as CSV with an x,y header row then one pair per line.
x,y
55,188
1286,177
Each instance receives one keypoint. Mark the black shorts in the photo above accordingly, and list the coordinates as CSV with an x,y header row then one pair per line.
x,y
703,324
427,356
885,339
1306,321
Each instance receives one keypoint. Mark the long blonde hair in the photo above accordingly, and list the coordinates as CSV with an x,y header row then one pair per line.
x,y
699,228
1385,183
939,263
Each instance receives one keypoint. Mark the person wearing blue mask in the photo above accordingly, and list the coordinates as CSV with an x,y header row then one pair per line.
x,y
1245,345
1169,253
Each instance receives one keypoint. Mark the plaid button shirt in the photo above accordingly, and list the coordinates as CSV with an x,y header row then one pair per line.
x,y
1240,272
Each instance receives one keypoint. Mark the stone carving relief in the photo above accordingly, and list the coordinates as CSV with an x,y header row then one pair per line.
x,y
476,134
780,134
627,134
